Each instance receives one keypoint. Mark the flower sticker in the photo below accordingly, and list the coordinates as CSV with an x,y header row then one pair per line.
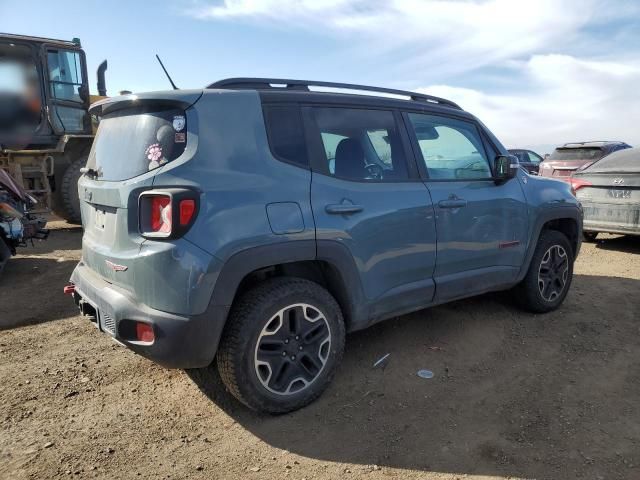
x,y
153,153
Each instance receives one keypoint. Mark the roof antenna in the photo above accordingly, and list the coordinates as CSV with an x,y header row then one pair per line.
x,y
166,73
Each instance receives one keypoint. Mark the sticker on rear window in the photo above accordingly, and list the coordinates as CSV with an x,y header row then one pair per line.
x,y
178,122
154,154
180,137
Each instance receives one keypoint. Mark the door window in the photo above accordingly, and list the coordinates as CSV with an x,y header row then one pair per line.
x,y
451,149
65,74
360,145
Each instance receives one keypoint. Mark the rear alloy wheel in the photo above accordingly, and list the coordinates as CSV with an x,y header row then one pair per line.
x,y
292,349
548,279
281,345
589,236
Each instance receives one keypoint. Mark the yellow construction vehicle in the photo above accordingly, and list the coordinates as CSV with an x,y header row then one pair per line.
x,y
45,128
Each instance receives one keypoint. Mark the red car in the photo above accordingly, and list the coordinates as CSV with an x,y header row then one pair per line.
x,y
565,160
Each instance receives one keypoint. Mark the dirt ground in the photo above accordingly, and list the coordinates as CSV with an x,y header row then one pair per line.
x,y
514,395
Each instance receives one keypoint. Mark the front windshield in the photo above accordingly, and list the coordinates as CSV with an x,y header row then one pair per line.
x,y
20,95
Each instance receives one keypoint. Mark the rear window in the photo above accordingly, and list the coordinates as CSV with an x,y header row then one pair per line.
x,y
576,154
134,141
622,161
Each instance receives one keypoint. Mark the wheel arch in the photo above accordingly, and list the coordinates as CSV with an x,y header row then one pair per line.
x,y
566,220
335,271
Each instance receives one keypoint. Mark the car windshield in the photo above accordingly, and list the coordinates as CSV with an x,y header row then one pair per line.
x,y
576,154
627,160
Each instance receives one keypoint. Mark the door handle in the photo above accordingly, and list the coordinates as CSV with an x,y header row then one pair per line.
x,y
343,208
453,203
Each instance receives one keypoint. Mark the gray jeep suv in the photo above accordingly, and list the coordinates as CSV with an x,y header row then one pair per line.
x,y
256,221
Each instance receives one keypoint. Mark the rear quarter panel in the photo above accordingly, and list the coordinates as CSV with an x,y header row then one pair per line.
x,y
239,181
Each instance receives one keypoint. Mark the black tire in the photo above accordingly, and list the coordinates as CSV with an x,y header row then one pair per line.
x,y
253,318
589,236
69,191
539,297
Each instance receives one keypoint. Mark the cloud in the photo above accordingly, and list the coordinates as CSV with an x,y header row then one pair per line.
x,y
538,73
455,35
564,99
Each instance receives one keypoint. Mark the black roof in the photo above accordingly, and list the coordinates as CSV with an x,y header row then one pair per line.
x,y
30,39
273,85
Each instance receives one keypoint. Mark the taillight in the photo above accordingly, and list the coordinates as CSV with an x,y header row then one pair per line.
x,y
187,209
577,184
168,213
160,213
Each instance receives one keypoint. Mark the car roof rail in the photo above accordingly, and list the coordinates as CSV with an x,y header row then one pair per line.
x,y
282,83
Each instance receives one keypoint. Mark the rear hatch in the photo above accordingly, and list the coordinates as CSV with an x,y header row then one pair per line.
x,y
137,137
565,161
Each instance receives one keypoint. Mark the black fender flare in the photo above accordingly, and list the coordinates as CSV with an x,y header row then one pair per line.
x,y
349,293
546,215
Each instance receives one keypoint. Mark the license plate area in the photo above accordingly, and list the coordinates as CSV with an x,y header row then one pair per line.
x,y
619,193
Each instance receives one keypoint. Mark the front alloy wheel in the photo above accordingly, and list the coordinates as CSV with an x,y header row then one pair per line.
x,y
553,272
548,278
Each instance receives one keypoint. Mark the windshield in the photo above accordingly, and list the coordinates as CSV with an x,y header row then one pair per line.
x,y
20,95
591,154
134,141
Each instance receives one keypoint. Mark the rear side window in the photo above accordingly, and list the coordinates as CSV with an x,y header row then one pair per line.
x,y
134,141
451,149
286,133
360,144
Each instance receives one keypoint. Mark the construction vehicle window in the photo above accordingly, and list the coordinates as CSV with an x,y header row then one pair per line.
x,y
65,75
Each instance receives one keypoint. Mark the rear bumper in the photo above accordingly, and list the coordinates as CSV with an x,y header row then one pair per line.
x,y
180,341
605,228
611,218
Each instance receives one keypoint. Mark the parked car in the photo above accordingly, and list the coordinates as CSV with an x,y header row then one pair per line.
x,y
257,222
528,159
572,156
609,191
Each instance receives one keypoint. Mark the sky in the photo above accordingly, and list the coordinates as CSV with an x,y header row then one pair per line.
x,y
538,73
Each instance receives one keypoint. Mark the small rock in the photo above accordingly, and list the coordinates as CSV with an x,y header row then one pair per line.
x,y
109,450
71,394
199,468
48,445
255,469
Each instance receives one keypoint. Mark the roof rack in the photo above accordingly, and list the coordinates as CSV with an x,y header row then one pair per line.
x,y
281,83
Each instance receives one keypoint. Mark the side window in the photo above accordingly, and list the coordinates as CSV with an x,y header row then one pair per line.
x,y
286,133
360,145
65,74
534,158
451,149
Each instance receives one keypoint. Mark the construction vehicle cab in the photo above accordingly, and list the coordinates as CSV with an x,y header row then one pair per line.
x,y
45,128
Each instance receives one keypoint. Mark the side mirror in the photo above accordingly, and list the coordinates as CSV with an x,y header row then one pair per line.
x,y
505,167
